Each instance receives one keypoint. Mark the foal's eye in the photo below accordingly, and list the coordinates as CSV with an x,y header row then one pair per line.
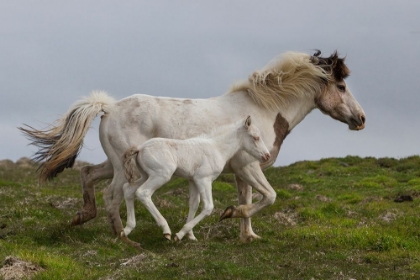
x,y
256,138
341,88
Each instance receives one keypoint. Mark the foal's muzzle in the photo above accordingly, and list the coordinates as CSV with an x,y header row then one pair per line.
x,y
265,157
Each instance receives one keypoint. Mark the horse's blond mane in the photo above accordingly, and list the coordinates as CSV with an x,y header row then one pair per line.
x,y
286,77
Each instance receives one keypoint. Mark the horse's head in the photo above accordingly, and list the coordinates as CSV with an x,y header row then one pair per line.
x,y
336,100
253,143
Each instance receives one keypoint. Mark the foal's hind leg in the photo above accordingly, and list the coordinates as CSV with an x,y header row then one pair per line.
x,y
89,175
194,201
144,194
129,195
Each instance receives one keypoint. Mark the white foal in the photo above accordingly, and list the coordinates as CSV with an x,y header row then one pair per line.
x,y
200,160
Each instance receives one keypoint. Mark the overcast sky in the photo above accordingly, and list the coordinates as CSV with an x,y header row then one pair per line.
x,y
54,52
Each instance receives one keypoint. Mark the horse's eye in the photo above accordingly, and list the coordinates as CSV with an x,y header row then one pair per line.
x,y
256,138
341,88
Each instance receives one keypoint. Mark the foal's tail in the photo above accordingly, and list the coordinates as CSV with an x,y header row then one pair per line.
x,y
128,163
60,144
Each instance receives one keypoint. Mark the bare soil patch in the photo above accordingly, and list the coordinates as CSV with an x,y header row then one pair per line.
x,y
14,268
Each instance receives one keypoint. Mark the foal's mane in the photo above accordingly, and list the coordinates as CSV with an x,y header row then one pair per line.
x,y
290,76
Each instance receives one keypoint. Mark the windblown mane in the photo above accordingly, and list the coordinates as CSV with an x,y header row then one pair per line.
x,y
290,76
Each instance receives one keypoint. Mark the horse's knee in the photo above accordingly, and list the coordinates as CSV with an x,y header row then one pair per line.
x,y
271,198
84,171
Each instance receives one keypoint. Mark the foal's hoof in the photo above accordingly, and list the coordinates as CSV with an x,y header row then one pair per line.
x,y
177,238
228,213
167,236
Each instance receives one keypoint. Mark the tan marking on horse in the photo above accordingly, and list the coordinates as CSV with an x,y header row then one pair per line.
x,y
281,129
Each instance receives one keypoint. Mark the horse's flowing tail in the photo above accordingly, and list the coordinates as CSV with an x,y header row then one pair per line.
x,y
129,164
60,145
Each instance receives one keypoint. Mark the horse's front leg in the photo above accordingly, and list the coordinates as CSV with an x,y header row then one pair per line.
x,y
252,175
245,197
89,175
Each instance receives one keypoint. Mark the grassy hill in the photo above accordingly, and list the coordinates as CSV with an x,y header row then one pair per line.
x,y
337,218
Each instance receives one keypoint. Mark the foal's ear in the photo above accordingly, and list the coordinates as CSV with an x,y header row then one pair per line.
x,y
248,121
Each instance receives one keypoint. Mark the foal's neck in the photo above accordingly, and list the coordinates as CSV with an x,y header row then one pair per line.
x,y
228,142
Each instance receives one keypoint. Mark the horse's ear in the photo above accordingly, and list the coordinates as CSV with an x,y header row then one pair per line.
x,y
248,121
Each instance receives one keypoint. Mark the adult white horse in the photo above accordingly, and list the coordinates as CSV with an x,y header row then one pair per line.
x,y
279,96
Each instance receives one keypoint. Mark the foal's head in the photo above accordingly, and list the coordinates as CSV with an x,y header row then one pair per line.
x,y
336,100
252,141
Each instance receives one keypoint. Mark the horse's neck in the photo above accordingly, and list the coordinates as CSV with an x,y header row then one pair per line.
x,y
297,110
227,142
293,112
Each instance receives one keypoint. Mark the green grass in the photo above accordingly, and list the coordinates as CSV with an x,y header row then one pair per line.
x,y
342,223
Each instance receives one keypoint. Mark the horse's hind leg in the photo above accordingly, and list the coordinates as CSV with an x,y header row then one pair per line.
x,y
113,196
89,175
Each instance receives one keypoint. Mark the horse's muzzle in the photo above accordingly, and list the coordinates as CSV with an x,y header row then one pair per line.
x,y
359,123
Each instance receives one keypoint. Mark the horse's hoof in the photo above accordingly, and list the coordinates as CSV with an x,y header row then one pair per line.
x,y
167,236
249,238
228,213
82,217
130,242
77,219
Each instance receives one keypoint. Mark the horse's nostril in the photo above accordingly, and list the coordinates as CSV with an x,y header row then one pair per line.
x,y
363,119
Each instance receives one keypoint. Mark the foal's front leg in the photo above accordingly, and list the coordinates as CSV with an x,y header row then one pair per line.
x,y
194,201
204,188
